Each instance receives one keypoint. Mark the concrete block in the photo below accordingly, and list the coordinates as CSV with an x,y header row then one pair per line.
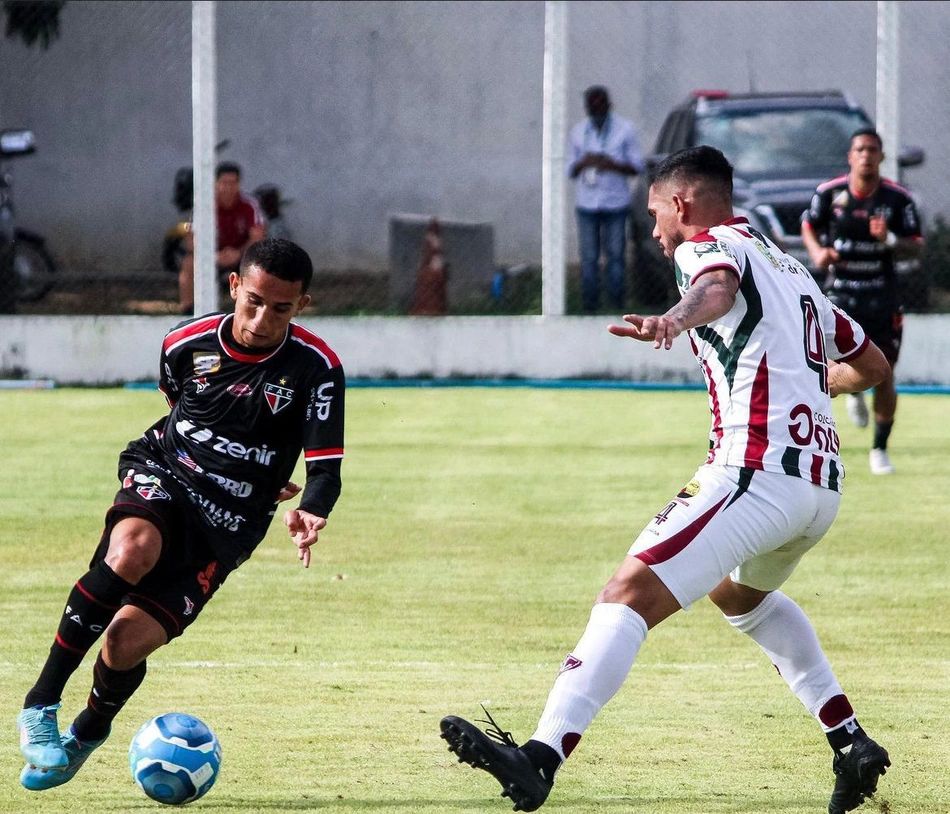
x,y
468,249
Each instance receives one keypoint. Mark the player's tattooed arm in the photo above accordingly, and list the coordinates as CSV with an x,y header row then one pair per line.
x,y
711,296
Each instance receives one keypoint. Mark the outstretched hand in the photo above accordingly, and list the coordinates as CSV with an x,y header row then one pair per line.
x,y
304,529
659,329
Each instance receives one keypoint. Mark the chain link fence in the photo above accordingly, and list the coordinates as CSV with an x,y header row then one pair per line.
x,y
401,143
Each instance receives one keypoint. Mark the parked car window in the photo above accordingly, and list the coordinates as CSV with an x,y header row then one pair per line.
x,y
682,131
781,142
667,138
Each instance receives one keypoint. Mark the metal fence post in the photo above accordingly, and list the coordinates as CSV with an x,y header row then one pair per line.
x,y
204,123
553,183
888,89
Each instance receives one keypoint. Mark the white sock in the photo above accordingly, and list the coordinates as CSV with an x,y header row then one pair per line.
x,y
787,637
590,675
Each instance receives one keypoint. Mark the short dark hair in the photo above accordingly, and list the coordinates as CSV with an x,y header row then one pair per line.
x,y
225,167
596,90
282,258
695,163
868,131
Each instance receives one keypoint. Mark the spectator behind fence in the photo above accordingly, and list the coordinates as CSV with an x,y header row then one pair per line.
x,y
604,154
239,222
856,227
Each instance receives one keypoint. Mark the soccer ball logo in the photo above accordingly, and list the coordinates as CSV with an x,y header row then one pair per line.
x,y
175,758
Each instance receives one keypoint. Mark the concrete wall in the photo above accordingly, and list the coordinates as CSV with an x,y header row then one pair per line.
x,y
110,350
359,110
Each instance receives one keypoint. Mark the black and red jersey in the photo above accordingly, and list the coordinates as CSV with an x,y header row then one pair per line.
x,y
841,219
238,423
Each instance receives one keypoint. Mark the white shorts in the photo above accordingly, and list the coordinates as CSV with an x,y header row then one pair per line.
x,y
753,525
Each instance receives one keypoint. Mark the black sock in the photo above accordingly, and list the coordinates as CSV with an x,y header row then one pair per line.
x,y
110,690
545,759
844,735
882,431
92,603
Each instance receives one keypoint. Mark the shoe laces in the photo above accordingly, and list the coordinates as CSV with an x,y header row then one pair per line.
x,y
495,732
41,728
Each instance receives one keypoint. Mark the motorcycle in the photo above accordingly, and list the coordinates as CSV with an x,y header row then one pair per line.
x,y
27,270
268,197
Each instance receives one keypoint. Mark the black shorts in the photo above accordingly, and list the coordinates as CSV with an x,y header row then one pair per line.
x,y
187,573
879,315
886,331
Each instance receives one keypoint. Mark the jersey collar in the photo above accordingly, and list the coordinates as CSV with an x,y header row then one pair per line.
x,y
238,351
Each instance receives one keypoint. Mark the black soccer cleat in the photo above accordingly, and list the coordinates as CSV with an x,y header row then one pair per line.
x,y
525,785
857,773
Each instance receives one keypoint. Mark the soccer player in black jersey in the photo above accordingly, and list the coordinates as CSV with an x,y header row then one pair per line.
x,y
248,392
856,227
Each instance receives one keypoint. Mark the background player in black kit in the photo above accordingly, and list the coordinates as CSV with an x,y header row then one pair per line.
x,y
856,227
248,391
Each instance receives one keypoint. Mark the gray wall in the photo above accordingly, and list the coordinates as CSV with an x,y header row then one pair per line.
x,y
362,109
116,349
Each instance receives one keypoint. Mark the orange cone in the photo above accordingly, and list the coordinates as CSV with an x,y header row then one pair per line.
x,y
431,295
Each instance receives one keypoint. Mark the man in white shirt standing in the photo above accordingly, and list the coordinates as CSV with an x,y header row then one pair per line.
x,y
605,153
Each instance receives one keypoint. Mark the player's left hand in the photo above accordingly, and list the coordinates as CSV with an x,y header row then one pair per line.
x,y
304,529
661,330
878,227
288,491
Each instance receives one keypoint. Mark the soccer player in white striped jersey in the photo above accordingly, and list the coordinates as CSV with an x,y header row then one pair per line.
x,y
774,351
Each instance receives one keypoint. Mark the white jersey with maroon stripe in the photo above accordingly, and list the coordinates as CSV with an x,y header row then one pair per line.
x,y
765,361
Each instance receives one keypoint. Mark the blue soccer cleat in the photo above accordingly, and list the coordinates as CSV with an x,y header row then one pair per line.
x,y
39,737
77,751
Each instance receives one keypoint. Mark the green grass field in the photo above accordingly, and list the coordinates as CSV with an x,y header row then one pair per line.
x,y
475,528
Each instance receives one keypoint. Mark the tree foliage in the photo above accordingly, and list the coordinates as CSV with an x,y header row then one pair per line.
x,y
33,20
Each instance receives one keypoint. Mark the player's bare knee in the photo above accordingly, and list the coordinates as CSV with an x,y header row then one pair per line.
x,y
134,548
617,591
126,643
637,587
735,599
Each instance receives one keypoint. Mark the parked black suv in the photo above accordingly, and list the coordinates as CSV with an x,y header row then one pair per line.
x,y
781,146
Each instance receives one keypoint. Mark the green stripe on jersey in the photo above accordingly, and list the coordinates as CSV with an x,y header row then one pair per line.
x,y
834,476
790,462
729,356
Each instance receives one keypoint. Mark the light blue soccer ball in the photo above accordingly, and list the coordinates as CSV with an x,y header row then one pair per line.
x,y
175,758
